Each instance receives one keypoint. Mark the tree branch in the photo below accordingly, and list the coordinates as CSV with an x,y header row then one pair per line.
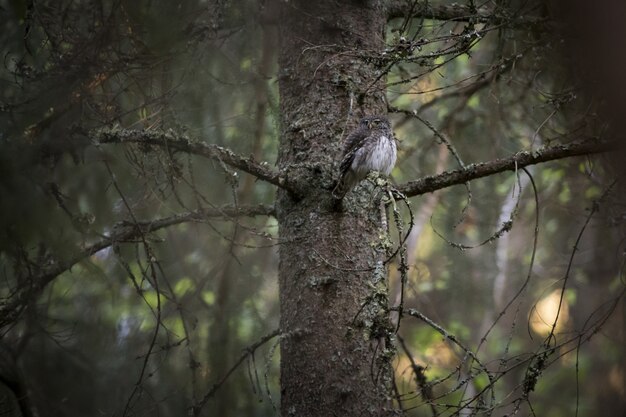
x,y
182,143
11,307
248,351
453,12
513,162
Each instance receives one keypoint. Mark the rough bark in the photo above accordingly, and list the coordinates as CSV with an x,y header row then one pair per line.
x,y
335,348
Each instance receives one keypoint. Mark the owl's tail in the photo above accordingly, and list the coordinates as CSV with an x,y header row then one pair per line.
x,y
345,183
340,189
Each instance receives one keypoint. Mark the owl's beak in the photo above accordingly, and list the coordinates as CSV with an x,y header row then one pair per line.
x,y
369,124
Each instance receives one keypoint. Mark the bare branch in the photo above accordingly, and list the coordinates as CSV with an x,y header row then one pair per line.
x,y
13,305
513,162
483,79
453,12
182,143
248,351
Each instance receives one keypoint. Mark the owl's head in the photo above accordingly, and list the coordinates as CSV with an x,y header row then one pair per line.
x,y
375,122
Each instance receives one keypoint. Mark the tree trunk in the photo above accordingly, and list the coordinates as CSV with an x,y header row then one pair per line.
x,y
336,351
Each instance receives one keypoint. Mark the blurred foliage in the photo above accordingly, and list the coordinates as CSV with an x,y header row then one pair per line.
x,y
149,326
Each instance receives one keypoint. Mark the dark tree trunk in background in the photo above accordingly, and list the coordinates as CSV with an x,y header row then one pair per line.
x,y
335,354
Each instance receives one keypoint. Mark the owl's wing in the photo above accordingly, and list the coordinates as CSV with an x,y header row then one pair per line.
x,y
352,144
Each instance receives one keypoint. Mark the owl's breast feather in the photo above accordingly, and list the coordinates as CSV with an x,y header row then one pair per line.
x,y
378,155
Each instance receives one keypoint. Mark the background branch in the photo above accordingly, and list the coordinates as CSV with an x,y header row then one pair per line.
x,y
248,351
171,140
453,12
123,232
516,161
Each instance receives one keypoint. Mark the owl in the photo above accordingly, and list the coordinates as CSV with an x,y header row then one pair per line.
x,y
370,147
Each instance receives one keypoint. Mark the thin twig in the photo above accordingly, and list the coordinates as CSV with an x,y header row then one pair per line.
x,y
197,408
123,232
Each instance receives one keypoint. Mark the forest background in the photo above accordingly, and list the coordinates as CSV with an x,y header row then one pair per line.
x,y
158,158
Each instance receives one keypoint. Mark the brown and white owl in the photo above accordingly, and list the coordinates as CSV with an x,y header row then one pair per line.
x,y
370,147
